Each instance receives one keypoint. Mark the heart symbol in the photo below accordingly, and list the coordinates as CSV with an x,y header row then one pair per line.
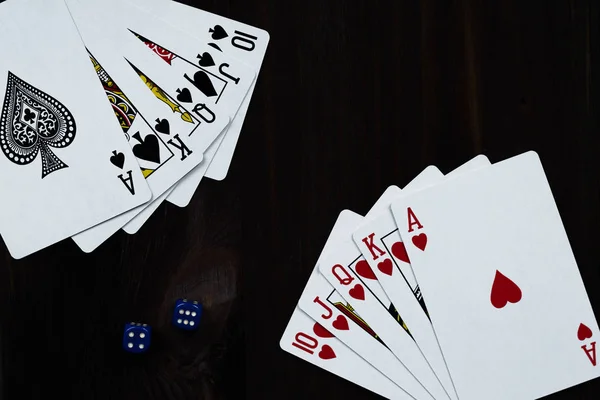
x,y
326,353
420,241
162,126
341,323
358,292
218,32
147,149
364,269
184,95
118,159
320,331
583,332
504,291
399,251
206,60
386,266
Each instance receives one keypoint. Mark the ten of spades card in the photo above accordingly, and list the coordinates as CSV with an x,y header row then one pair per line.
x,y
66,165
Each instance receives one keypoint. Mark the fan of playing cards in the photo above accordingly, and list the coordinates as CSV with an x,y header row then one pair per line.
x,y
456,287
112,107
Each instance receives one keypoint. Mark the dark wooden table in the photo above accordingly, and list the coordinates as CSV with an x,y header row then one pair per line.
x,y
354,96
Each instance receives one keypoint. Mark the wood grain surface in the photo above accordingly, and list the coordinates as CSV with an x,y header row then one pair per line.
x,y
353,96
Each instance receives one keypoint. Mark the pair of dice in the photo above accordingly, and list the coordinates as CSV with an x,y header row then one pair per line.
x,y
186,315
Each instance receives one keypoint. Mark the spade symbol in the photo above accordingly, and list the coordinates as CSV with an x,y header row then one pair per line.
x,y
218,32
32,122
203,83
147,149
118,159
162,126
184,95
206,60
215,46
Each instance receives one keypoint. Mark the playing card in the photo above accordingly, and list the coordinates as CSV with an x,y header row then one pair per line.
x,y
341,269
218,71
66,163
231,37
502,287
212,83
378,237
166,138
308,340
136,223
375,271
348,272
324,305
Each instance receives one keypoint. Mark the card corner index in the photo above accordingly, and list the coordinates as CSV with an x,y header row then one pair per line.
x,y
331,262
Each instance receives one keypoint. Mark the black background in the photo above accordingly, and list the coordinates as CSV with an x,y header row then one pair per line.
x,y
353,96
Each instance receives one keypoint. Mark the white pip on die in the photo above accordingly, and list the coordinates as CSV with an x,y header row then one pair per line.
x,y
187,314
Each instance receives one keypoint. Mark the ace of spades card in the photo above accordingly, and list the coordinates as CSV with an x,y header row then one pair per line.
x,y
161,131
232,38
516,322
66,165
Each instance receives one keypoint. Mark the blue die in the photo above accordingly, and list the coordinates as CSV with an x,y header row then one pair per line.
x,y
187,314
136,337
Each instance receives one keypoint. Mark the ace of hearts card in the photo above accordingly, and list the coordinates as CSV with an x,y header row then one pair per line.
x,y
505,296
